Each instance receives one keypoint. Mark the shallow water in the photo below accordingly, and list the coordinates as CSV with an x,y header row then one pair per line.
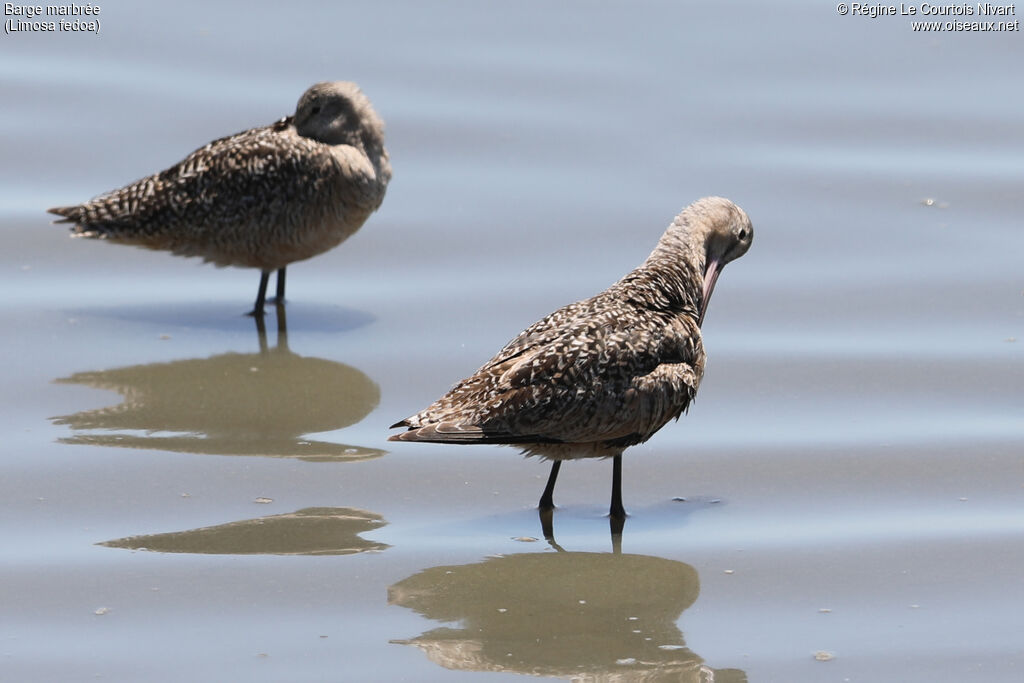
x,y
849,480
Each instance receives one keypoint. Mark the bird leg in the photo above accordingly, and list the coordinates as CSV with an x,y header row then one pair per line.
x,y
547,501
617,512
279,299
261,296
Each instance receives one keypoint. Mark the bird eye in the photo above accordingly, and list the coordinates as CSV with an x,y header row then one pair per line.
x,y
743,234
315,110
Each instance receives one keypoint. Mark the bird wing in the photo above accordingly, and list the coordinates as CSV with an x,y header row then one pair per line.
x,y
598,377
249,169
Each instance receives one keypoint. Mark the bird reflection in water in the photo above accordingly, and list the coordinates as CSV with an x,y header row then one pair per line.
x,y
230,404
310,531
578,615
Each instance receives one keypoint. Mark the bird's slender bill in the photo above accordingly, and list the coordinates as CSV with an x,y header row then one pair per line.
x,y
711,273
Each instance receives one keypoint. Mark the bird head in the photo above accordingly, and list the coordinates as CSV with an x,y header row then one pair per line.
x,y
338,113
727,236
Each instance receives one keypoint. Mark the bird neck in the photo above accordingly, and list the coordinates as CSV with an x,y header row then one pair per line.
x,y
671,278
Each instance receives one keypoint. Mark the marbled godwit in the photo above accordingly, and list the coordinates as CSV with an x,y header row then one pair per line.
x,y
606,373
262,198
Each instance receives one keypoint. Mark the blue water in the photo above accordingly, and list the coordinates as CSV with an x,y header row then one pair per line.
x,y
855,446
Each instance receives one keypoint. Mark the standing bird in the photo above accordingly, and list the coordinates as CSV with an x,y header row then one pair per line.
x,y
262,198
606,373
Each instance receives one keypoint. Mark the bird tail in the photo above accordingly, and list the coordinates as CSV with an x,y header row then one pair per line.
x,y
456,433
69,214
440,432
84,221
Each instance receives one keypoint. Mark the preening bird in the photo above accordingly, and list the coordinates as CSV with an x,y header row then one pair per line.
x,y
262,198
605,373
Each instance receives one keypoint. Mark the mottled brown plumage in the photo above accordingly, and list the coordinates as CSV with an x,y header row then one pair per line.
x,y
262,198
606,373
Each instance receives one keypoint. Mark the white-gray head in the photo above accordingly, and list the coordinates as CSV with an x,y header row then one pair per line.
x,y
337,112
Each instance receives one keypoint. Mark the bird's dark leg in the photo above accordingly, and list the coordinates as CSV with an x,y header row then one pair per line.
x,y
617,511
547,501
546,507
279,299
261,296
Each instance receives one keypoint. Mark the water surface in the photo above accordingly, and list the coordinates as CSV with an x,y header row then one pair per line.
x,y
848,482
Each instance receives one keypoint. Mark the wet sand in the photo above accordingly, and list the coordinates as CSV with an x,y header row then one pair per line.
x,y
848,483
